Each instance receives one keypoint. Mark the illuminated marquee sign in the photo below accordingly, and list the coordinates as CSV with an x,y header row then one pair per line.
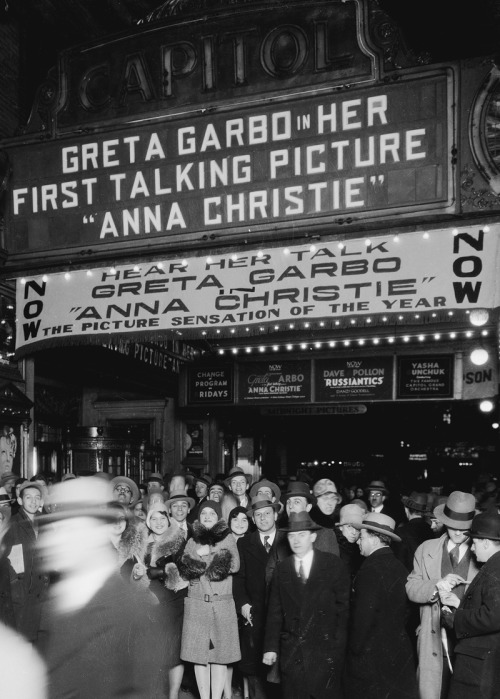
x,y
242,292
309,162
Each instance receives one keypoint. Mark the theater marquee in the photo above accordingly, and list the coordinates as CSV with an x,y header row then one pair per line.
x,y
309,162
241,292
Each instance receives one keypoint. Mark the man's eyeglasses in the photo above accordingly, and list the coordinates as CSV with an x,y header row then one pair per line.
x,y
122,489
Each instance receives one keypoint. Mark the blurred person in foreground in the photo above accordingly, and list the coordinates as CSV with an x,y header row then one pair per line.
x,y
476,618
100,642
24,675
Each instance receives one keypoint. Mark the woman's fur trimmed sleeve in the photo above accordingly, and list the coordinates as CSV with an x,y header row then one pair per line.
x,y
220,566
191,568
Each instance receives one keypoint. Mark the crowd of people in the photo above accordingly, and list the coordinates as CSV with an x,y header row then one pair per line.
x,y
296,590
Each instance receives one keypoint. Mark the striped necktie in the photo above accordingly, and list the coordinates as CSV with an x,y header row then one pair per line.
x,y
301,573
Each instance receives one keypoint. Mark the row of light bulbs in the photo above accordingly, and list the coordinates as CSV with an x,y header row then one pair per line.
x,y
480,319
468,334
260,254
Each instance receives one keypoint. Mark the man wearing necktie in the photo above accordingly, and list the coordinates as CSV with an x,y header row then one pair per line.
x,y
28,583
476,618
441,565
179,505
259,553
307,616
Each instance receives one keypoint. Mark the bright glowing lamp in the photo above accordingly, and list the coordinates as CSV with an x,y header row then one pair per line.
x,y
486,406
479,356
479,316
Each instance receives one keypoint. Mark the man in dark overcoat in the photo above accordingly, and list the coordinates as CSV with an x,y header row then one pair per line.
x,y
28,583
307,616
476,622
380,662
100,643
259,553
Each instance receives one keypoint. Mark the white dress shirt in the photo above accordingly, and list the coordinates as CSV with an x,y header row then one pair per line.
x,y
306,563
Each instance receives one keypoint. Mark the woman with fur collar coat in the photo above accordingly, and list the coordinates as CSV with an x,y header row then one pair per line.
x,y
210,631
163,545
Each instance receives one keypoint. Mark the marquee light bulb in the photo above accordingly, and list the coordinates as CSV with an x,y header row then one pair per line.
x,y
479,356
486,406
479,316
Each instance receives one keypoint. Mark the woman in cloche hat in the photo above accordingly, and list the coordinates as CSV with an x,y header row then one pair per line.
x,y
210,631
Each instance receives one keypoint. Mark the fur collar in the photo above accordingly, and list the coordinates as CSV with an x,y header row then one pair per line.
x,y
169,544
212,536
133,542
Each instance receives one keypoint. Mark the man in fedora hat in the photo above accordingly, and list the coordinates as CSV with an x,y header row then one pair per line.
x,y
238,482
476,619
125,491
265,489
28,582
259,553
441,565
201,486
378,500
349,525
307,616
415,531
299,498
178,507
380,662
